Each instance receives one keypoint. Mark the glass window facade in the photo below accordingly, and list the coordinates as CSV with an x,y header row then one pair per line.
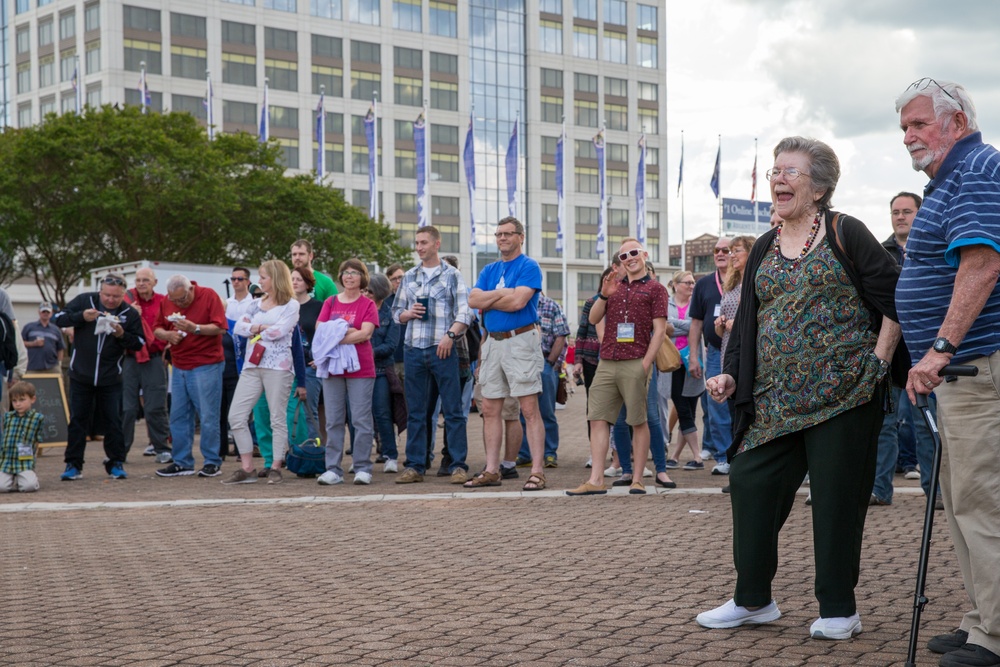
x,y
551,78
185,25
328,47
140,18
443,19
552,109
368,52
615,47
585,9
646,52
284,6
191,104
366,11
92,17
331,78
408,91
364,85
93,57
444,96
616,87
188,63
585,42
647,18
240,113
137,52
616,12
551,6
585,113
239,69
327,9
444,63
281,40
550,36
408,58
282,74
239,33
67,25
617,116
406,15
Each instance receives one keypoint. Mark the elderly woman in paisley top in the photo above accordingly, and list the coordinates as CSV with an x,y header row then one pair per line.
x,y
806,367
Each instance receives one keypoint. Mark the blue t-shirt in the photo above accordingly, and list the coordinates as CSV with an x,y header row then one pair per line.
x,y
961,208
522,271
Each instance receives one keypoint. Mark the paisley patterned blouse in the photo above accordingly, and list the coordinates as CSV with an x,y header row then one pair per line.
x,y
815,347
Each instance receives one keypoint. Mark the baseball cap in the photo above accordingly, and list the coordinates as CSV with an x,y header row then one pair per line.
x,y
45,305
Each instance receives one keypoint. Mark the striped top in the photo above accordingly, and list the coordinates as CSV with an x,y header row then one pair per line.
x,y
961,208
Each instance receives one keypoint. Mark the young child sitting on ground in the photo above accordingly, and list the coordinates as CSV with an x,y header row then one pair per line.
x,y
22,431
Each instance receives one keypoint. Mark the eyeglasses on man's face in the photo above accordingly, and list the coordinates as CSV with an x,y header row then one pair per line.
x,y
634,252
720,251
238,279
505,235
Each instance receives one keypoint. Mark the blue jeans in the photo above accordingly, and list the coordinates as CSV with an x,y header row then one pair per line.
x,y
547,409
720,434
382,414
657,446
421,366
197,391
314,386
888,450
924,439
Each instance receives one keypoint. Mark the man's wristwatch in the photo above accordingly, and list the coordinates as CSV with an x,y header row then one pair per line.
x,y
451,335
197,329
944,345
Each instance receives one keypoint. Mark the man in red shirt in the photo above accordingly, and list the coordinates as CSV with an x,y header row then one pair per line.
x,y
191,322
146,373
635,311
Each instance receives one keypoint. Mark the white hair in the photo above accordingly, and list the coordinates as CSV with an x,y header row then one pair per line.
x,y
177,282
947,97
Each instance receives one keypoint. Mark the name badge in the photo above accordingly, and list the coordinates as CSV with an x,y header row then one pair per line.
x,y
718,309
626,332
25,452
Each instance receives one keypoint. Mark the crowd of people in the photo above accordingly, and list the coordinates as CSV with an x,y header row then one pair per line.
x,y
805,347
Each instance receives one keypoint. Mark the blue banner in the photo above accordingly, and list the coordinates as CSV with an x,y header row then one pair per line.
x,y
640,195
602,227
321,140
264,132
469,159
714,183
372,163
420,144
560,193
511,164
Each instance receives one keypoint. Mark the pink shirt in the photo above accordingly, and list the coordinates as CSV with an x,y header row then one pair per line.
x,y
356,313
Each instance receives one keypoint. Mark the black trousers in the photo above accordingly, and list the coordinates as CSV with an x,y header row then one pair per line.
x,y
87,402
840,455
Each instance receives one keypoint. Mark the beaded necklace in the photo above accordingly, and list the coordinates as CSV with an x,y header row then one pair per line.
x,y
779,259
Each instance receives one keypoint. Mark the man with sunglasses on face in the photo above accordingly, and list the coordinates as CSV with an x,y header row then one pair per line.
x,y
948,303
634,308
104,327
705,306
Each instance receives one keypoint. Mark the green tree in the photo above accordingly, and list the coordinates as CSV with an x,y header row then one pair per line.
x,y
77,192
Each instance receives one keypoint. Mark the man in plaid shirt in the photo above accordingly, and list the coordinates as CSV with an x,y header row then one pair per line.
x,y
554,329
434,300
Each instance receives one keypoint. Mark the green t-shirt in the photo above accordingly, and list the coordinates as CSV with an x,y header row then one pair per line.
x,y
325,287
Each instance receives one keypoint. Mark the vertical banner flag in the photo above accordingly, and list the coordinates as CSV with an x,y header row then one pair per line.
x,y
753,178
144,97
714,183
602,225
265,121
640,194
511,163
208,102
680,173
469,159
76,85
320,137
560,191
370,121
420,145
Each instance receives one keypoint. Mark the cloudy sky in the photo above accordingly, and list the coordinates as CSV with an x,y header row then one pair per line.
x,y
767,69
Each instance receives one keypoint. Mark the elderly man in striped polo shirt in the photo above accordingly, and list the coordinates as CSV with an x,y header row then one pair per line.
x,y
949,308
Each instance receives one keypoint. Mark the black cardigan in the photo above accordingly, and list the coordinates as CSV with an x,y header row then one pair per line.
x,y
872,271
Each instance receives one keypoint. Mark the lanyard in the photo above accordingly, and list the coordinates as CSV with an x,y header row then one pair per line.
x,y
718,283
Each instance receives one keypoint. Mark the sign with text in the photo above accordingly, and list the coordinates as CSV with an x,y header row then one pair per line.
x,y
738,217
51,402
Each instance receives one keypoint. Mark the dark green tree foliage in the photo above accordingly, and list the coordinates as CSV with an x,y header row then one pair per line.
x,y
117,186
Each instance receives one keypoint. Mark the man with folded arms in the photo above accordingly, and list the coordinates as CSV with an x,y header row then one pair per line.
x,y
511,354
635,311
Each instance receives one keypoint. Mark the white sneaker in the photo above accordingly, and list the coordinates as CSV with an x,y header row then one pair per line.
x,y
351,469
613,472
363,478
149,451
164,457
731,616
721,469
911,474
646,472
839,627
589,463
329,478
705,454
390,466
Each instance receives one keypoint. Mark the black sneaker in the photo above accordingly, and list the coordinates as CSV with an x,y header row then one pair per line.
x,y
443,472
209,470
508,473
948,642
174,470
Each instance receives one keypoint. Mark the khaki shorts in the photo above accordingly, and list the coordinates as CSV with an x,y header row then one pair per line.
x,y
513,366
511,410
614,383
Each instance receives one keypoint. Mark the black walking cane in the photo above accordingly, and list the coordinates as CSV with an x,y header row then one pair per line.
x,y
950,374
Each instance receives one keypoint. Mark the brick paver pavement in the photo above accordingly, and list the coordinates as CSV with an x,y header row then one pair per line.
x,y
187,571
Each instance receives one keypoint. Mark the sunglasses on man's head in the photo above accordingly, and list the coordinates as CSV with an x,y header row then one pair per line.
x,y
113,280
634,252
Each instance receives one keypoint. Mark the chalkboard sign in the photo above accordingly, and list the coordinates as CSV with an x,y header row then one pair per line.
x,y
51,403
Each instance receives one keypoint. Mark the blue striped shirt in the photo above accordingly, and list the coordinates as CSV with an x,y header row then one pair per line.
x,y
961,208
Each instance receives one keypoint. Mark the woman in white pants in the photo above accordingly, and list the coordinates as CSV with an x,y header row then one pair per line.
x,y
267,323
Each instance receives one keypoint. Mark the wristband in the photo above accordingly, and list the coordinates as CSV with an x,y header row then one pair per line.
x,y
601,296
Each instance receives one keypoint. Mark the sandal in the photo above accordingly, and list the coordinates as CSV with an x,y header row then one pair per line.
x,y
483,479
536,480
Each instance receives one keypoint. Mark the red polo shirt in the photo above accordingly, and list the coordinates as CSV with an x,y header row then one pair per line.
x,y
638,302
150,312
195,350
